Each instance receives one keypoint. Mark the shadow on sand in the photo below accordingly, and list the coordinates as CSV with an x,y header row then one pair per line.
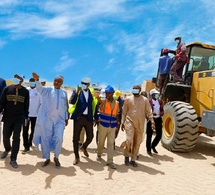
x,y
205,146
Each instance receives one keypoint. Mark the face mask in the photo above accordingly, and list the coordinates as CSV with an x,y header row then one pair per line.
x,y
156,96
135,91
16,81
177,41
83,86
32,84
102,96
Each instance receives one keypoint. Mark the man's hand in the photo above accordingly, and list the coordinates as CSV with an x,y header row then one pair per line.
x,y
96,94
18,77
35,76
123,127
66,122
95,122
153,126
118,127
177,56
78,89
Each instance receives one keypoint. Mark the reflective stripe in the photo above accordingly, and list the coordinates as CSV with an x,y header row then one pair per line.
x,y
15,98
108,115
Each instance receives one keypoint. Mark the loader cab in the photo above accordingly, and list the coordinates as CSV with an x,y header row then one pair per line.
x,y
202,58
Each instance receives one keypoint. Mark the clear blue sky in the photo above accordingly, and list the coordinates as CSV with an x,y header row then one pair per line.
x,y
114,42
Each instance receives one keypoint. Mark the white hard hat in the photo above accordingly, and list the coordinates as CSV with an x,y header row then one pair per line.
x,y
153,91
86,80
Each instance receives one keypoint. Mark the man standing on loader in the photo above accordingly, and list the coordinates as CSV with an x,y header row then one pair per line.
x,y
180,60
165,62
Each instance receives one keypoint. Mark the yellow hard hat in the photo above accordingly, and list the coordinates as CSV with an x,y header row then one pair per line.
x,y
117,93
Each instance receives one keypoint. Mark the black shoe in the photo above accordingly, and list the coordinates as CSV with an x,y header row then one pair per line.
x,y
57,163
4,154
14,164
149,153
84,150
99,158
138,157
133,163
25,151
76,161
154,150
46,163
127,161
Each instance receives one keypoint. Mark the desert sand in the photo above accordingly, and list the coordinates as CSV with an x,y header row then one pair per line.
x,y
163,173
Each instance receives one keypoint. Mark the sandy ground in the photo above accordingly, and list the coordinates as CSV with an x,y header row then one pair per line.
x,y
164,173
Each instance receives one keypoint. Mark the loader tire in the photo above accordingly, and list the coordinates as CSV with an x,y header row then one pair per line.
x,y
180,127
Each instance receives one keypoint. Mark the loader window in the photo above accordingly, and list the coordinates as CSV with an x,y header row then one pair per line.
x,y
201,59
212,62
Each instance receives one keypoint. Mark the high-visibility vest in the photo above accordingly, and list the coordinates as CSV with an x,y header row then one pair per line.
x,y
108,115
94,103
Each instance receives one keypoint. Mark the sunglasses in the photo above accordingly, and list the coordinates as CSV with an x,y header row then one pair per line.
x,y
84,83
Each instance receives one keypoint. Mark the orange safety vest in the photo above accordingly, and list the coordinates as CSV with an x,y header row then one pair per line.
x,y
107,116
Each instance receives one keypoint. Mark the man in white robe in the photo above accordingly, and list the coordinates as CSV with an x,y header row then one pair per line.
x,y
52,118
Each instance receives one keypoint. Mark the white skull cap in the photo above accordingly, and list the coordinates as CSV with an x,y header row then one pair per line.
x,y
86,80
59,77
153,91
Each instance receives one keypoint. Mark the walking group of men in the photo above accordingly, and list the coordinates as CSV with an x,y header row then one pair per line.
x,y
47,111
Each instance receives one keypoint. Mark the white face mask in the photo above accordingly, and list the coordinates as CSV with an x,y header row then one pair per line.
x,y
16,81
135,91
177,41
83,86
32,84
156,96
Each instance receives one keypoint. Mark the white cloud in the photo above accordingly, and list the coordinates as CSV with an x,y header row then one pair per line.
x,y
110,48
9,2
110,63
61,19
2,43
65,62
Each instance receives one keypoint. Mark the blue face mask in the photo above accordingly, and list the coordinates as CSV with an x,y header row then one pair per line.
x,y
156,96
32,84
16,81
135,91
83,86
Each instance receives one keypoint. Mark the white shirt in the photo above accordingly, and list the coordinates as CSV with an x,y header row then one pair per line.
x,y
35,102
86,95
156,108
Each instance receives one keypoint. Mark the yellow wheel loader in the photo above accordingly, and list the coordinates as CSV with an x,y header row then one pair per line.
x,y
190,105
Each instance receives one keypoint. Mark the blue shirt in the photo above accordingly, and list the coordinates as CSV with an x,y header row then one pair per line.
x,y
165,63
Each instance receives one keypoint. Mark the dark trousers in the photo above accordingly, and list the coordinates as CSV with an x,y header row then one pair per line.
x,y
149,132
78,125
27,139
8,130
161,81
